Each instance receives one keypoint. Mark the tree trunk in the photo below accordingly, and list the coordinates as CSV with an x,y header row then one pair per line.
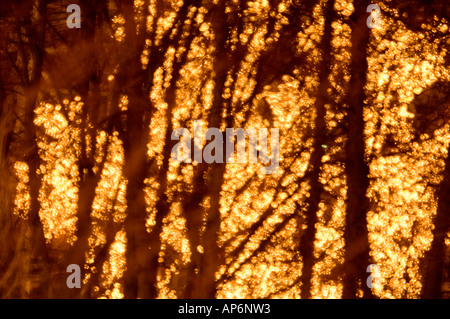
x,y
308,238
213,256
434,259
91,96
136,133
356,234
142,263
39,252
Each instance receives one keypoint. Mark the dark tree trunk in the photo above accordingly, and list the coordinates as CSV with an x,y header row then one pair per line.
x,y
142,248
39,251
356,235
434,259
308,238
213,256
91,96
137,278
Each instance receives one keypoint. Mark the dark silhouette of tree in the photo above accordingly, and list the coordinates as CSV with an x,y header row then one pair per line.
x,y
201,273
42,61
163,203
435,258
320,138
137,278
356,235
30,47
433,112
90,89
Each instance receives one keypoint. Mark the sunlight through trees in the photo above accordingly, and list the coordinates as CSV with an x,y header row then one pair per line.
x,y
88,176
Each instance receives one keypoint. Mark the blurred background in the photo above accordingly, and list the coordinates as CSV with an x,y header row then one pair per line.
x,y
86,116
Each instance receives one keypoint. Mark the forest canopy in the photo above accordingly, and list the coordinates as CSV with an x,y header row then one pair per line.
x,y
357,92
